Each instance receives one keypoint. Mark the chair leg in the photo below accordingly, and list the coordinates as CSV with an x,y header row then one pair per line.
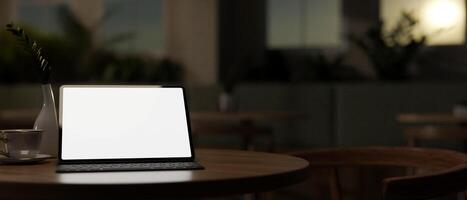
x,y
270,143
248,143
335,185
410,143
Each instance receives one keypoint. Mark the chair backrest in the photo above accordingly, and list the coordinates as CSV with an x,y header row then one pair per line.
x,y
448,169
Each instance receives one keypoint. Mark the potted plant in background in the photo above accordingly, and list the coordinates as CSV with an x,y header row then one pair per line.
x,y
391,53
47,118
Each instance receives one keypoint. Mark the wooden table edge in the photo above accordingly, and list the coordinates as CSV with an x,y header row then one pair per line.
x,y
231,186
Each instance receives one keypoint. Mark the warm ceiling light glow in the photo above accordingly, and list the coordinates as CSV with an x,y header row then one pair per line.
x,y
442,14
442,21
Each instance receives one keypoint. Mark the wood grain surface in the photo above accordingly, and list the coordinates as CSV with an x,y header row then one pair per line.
x,y
227,172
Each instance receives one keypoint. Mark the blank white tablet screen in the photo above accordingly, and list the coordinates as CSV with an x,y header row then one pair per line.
x,y
123,123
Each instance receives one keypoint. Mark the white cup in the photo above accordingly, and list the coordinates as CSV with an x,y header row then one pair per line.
x,y
20,143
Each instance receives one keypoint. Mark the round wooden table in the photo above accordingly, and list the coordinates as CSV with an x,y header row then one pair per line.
x,y
227,172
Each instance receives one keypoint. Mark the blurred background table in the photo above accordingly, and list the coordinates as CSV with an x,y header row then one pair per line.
x,y
241,123
431,118
433,126
245,116
18,118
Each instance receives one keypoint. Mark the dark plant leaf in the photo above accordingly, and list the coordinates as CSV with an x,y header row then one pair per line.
x,y
33,48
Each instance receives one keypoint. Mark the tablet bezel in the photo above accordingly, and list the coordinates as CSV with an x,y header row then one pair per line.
x,y
123,160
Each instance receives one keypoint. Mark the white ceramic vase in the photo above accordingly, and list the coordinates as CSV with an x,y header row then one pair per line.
x,y
47,121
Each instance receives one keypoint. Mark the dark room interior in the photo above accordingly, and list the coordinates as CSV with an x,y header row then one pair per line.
x,y
272,99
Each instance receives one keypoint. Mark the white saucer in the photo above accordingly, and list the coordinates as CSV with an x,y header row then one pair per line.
x,y
38,158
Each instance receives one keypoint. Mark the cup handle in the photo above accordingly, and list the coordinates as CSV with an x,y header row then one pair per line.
x,y
4,141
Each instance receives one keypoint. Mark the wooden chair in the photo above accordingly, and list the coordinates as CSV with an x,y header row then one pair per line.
x,y
445,170
414,134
